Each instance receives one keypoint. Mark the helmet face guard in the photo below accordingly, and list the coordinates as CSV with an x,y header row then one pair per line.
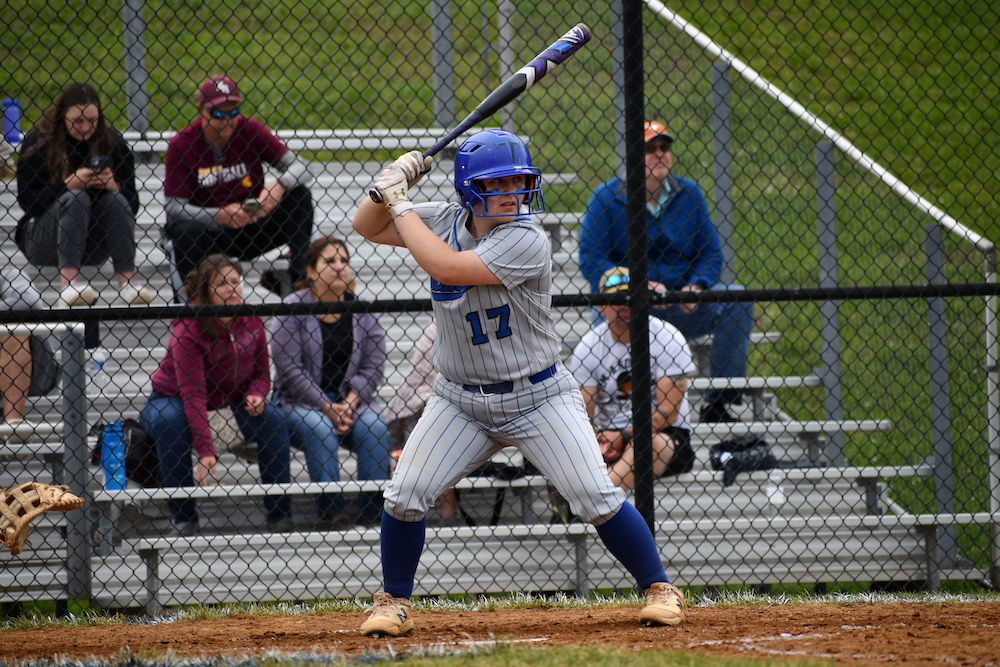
x,y
495,154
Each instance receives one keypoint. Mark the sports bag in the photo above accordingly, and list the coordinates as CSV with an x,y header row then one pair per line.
x,y
142,463
44,367
743,454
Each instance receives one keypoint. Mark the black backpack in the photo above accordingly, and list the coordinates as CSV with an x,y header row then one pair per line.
x,y
743,454
45,370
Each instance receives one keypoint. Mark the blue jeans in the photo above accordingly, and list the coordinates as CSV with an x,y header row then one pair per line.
x,y
314,433
164,420
731,324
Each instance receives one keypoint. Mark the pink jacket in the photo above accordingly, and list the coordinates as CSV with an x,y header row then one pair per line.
x,y
209,371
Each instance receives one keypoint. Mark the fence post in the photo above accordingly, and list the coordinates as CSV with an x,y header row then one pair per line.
x,y
829,372
137,99
992,416
638,258
75,456
441,55
505,30
721,114
937,344
618,76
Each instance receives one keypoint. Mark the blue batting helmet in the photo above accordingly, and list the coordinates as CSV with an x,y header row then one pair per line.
x,y
494,154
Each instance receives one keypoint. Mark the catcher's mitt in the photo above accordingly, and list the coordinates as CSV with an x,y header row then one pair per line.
x,y
22,503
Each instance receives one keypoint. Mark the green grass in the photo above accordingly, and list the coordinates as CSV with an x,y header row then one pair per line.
x,y
509,655
914,84
497,653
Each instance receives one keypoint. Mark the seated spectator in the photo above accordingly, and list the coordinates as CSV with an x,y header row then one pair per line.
x,y
685,253
27,365
76,184
602,364
209,364
327,369
216,197
406,406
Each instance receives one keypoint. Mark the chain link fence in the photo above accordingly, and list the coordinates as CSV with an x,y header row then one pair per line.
x,y
823,415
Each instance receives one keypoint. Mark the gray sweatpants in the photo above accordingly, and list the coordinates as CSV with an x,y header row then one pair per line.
x,y
460,430
80,229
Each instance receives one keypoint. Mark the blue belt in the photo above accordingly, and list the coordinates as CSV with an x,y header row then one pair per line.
x,y
508,386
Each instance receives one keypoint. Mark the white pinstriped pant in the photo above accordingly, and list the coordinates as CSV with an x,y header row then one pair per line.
x,y
460,430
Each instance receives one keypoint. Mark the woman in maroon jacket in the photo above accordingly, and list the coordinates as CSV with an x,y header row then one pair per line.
x,y
209,364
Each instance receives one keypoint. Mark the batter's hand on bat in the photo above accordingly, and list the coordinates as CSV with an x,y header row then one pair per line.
x,y
391,185
414,165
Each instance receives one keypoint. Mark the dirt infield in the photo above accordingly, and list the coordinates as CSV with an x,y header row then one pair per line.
x,y
848,634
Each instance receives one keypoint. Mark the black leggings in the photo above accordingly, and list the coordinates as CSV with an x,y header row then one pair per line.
x,y
83,228
291,222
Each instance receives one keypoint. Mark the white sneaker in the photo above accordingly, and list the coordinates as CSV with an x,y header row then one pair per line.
x,y
134,296
77,294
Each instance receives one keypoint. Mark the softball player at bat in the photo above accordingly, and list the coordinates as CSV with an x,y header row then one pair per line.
x,y
501,382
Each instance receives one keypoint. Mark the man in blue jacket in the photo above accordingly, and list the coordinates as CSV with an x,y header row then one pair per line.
x,y
685,253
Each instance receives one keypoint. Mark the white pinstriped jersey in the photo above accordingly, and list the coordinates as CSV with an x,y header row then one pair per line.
x,y
493,333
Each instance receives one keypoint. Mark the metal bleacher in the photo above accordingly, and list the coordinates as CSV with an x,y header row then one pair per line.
x,y
134,565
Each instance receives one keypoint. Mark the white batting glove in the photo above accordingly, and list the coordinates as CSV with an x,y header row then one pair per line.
x,y
391,184
414,165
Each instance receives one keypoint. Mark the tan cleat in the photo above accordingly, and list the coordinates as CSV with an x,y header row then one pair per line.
x,y
665,605
390,617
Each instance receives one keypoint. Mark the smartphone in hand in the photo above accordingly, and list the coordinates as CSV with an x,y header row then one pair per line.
x,y
98,164
251,205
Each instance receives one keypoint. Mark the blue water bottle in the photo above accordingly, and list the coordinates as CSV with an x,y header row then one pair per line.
x,y
12,112
113,456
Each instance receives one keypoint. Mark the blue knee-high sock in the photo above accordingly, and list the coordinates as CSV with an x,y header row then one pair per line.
x,y
402,544
628,539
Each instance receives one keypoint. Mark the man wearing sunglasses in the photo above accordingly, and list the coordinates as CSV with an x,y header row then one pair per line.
x,y
685,253
216,198
602,365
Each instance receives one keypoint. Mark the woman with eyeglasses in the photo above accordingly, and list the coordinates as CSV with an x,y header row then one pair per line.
x,y
327,369
76,184
216,197
211,363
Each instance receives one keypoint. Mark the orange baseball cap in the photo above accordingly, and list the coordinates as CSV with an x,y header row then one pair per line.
x,y
652,129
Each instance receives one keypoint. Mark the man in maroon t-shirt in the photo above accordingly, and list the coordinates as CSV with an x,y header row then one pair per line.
x,y
216,197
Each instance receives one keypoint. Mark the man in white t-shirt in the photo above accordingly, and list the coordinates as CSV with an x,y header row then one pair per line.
x,y
602,364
